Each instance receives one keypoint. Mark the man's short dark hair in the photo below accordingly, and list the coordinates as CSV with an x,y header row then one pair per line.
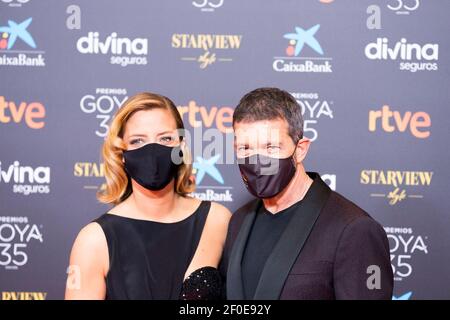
x,y
270,104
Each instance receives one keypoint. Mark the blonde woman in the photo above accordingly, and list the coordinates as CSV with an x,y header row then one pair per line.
x,y
156,242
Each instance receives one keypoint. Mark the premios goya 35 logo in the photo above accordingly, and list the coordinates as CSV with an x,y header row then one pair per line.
x,y
208,5
17,235
314,109
405,245
15,3
102,104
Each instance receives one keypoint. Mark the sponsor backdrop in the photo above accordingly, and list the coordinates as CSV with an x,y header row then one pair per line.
x,y
370,76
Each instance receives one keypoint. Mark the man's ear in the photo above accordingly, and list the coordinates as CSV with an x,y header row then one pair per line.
x,y
302,149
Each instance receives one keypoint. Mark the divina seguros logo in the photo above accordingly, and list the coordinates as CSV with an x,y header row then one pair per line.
x,y
123,51
412,56
26,180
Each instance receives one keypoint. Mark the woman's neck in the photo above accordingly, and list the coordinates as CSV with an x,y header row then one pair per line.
x,y
154,205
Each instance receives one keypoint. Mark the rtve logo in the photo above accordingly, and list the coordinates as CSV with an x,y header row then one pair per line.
x,y
32,113
201,116
390,121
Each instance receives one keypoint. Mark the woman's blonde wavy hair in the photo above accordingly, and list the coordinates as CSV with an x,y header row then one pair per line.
x,y
118,183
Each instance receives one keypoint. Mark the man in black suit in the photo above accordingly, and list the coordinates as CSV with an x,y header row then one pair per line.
x,y
298,239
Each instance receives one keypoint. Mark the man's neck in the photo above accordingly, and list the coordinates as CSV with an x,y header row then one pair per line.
x,y
294,192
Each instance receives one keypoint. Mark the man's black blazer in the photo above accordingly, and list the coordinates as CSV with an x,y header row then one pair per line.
x,y
331,249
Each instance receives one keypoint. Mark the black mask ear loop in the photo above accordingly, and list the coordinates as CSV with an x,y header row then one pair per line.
x,y
294,162
180,154
180,131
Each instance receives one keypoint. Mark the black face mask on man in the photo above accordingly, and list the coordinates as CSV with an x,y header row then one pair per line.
x,y
264,176
154,165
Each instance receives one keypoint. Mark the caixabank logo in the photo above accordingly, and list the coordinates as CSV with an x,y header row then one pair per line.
x,y
18,235
122,50
18,47
207,49
396,186
403,296
24,179
303,53
215,190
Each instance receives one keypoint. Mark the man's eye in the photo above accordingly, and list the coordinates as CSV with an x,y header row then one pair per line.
x,y
273,148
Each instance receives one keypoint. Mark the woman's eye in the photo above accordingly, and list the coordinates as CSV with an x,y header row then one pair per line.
x,y
166,139
136,141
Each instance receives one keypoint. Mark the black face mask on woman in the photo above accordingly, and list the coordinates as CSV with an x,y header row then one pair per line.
x,y
152,166
264,176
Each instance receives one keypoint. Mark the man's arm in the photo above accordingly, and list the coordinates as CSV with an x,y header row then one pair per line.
x,y
362,267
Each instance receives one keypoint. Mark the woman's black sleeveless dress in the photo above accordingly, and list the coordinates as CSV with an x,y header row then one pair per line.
x,y
148,259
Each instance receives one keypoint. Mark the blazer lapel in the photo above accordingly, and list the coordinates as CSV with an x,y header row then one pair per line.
x,y
286,251
235,290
